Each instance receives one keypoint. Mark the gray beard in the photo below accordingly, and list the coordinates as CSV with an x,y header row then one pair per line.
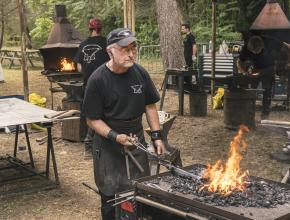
x,y
128,65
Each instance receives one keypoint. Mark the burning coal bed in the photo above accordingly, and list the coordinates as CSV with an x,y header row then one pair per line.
x,y
225,184
258,193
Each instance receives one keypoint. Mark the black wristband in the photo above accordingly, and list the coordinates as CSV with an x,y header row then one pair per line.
x,y
112,135
156,135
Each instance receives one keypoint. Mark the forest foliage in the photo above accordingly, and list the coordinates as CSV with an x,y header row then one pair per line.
x,y
233,17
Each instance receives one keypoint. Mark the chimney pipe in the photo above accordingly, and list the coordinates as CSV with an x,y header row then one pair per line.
x,y
271,17
60,11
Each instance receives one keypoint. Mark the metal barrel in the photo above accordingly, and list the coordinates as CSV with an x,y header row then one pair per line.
x,y
239,108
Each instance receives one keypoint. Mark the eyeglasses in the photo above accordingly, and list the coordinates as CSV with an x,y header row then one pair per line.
x,y
128,49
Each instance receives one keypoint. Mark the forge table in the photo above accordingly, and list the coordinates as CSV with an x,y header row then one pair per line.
x,y
180,74
16,112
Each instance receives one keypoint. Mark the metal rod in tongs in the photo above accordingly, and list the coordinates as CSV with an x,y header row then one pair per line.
x,y
166,163
140,146
130,194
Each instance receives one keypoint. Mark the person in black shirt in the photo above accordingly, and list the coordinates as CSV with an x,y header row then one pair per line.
x,y
117,95
189,45
90,55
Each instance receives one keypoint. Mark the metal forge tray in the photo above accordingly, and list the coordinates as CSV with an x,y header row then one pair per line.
x,y
189,204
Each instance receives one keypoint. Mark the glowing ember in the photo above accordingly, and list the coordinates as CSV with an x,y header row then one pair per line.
x,y
66,65
227,178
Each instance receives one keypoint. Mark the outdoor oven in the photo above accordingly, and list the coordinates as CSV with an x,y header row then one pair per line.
x,y
60,49
59,68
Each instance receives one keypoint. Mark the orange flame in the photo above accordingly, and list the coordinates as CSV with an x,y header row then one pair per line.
x,y
66,65
227,178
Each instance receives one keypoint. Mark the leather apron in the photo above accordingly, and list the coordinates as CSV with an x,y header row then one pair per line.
x,y
109,158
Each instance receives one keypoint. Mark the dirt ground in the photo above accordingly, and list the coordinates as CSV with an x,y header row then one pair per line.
x,y
200,139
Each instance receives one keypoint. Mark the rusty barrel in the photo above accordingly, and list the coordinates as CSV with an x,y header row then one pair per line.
x,y
198,103
239,108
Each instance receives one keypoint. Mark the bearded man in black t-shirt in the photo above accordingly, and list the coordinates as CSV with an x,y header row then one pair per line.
x,y
117,95
90,55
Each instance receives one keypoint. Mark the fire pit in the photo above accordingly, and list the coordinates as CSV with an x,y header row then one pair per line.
x,y
221,191
264,199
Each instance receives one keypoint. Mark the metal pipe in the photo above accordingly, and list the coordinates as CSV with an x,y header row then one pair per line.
x,y
138,165
168,209
213,42
96,190
121,197
127,166
125,200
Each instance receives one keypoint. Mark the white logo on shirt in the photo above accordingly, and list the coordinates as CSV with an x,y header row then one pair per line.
x,y
137,89
90,51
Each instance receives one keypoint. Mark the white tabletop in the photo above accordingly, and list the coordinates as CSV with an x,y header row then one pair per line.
x,y
15,111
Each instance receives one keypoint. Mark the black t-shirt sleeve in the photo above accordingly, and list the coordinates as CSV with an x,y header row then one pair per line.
x,y
192,39
151,93
78,58
244,54
152,96
93,103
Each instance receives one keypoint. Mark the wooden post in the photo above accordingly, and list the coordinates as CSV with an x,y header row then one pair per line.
x,y
129,14
125,13
213,42
22,18
133,16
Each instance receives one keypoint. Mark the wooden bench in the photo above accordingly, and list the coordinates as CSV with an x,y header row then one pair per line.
x,y
225,65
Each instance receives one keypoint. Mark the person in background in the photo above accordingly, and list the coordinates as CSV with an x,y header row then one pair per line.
x,y
117,95
256,60
189,45
90,55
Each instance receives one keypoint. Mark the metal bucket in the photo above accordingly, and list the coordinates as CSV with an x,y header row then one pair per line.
x,y
198,103
239,108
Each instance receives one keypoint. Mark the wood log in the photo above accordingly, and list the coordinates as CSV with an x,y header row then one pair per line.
x,y
286,178
276,123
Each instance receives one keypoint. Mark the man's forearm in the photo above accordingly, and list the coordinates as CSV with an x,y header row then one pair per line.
x,y
152,117
240,65
99,126
79,67
194,50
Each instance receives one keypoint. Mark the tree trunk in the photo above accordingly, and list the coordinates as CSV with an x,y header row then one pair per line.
x,y
21,8
2,24
169,21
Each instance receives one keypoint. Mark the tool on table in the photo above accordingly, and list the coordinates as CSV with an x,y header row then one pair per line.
x,y
62,114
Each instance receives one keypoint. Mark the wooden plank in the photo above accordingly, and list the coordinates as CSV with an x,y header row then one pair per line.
x,y
271,122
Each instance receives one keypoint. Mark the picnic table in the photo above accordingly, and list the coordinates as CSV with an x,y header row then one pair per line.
x,y
15,54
